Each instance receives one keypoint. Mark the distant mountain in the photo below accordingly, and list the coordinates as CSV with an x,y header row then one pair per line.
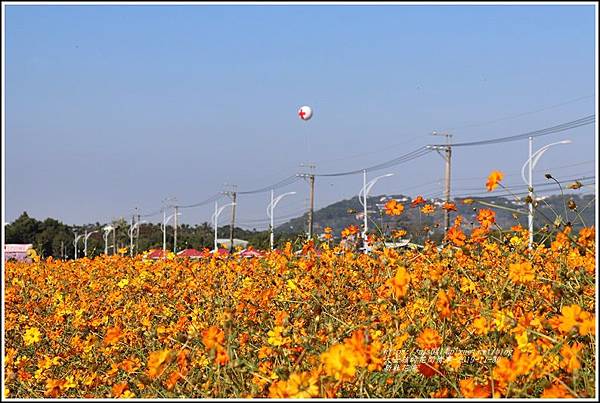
x,y
347,212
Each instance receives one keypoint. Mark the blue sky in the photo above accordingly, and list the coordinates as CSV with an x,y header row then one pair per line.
x,y
114,107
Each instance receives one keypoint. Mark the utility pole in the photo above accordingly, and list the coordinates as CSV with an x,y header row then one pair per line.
x,y
175,231
530,188
137,234
164,228
233,195
62,249
311,181
447,156
114,231
312,206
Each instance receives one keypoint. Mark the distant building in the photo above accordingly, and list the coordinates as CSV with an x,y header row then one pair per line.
x,y
17,251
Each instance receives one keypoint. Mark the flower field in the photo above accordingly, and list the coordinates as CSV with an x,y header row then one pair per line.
x,y
481,317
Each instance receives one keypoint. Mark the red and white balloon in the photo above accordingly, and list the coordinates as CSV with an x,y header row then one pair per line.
x,y
305,112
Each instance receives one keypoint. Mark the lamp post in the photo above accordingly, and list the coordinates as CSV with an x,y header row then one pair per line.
x,y
163,227
77,238
270,209
107,230
131,231
365,192
215,218
530,163
85,239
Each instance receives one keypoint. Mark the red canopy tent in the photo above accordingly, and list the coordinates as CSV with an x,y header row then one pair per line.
x,y
192,253
250,253
157,254
221,252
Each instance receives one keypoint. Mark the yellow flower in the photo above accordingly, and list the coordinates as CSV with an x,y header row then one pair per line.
x,y
516,241
302,385
427,209
71,383
455,360
32,335
523,343
291,285
275,337
123,283
339,362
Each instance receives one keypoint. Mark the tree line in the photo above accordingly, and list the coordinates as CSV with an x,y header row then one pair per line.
x,y
51,237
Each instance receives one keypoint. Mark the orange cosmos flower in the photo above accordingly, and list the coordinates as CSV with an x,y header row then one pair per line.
x,y
521,273
428,339
392,207
119,388
156,362
171,380
449,206
350,230
54,387
399,233
493,180
212,337
112,335
417,201
427,209
480,326
443,303
470,389
556,391
570,362
399,283
479,234
221,357
486,217
456,236
587,235
339,362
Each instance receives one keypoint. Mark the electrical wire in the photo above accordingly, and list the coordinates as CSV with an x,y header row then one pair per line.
x,y
521,114
285,182
419,152
211,199
537,133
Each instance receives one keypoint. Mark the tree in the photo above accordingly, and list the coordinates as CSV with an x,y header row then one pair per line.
x,y
22,230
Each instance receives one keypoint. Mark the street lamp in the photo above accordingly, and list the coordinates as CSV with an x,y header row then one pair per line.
x,y
85,239
77,238
164,228
530,163
131,231
107,230
270,208
215,218
365,192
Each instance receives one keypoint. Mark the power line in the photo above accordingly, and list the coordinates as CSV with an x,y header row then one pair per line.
x,y
211,199
521,114
537,133
419,152
285,182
